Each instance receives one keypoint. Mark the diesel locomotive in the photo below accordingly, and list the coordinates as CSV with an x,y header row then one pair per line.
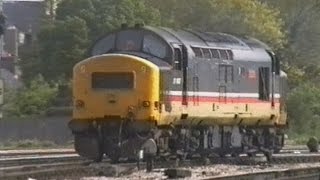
x,y
177,92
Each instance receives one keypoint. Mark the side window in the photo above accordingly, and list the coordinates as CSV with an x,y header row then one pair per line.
x,y
177,59
206,53
242,72
223,54
226,73
215,53
197,52
230,54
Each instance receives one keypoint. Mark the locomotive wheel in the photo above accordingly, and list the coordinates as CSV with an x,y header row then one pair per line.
x,y
114,158
234,154
277,150
222,155
98,157
115,155
182,157
88,147
268,155
251,154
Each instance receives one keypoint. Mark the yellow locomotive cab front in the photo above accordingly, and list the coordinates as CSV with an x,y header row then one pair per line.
x,y
115,87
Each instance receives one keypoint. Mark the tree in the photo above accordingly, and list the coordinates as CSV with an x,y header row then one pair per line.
x,y
30,63
61,45
79,23
304,110
33,99
103,16
243,17
301,20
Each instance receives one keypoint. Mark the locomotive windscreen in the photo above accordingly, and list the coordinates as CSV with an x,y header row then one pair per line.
x,y
130,40
112,80
135,41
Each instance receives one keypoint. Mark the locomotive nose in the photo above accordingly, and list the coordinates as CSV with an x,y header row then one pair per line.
x,y
119,87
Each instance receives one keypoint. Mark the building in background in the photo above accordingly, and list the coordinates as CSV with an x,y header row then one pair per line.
x,y
23,21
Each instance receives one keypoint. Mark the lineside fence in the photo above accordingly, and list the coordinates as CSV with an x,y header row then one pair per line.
x,y
42,128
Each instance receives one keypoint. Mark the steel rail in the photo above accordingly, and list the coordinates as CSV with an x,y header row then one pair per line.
x,y
34,152
62,166
283,174
19,161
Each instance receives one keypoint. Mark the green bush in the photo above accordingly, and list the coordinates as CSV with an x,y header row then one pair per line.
x,y
304,111
33,99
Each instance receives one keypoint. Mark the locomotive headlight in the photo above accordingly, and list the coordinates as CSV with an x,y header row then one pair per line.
x,y
79,104
130,108
156,105
146,103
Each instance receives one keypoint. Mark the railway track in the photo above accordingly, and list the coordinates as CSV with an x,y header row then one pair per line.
x,y
34,152
72,166
20,161
311,173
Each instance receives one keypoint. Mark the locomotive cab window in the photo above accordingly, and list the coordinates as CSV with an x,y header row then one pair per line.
x,y
154,46
103,46
114,81
177,59
129,40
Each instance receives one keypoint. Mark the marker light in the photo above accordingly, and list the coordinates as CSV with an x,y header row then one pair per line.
x,y
146,104
79,104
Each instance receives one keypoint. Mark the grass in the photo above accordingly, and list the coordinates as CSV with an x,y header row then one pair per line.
x,y
297,139
31,144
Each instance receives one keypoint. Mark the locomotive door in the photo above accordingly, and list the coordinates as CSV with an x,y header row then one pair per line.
x,y
226,78
180,66
264,83
195,89
222,94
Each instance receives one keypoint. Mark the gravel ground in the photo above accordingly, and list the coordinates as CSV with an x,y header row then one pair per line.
x,y
208,171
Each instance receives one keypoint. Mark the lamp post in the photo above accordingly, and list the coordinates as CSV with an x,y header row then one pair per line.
x,y
2,28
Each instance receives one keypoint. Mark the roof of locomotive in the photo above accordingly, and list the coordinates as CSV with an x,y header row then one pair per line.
x,y
207,39
242,48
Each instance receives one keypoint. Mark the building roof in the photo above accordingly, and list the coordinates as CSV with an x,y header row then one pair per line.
x,y
25,15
